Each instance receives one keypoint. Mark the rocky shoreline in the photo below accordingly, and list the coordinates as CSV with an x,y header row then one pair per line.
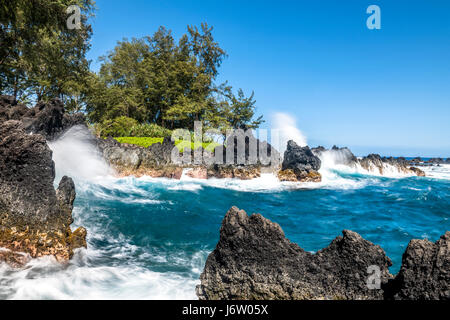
x,y
299,164
156,160
253,260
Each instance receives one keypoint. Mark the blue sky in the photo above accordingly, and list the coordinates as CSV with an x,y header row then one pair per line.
x,y
385,91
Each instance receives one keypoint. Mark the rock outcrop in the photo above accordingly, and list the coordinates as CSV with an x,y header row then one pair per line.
x,y
380,165
154,161
299,164
417,171
34,217
372,163
425,271
246,160
254,260
46,118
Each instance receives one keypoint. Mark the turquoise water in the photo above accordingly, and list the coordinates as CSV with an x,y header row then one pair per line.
x,y
171,219
169,227
149,238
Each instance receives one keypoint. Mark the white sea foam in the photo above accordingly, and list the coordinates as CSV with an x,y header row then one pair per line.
x,y
337,160
116,270
268,182
44,278
437,172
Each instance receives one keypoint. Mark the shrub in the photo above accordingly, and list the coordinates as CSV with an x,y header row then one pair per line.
x,y
147,142
119,127
149,130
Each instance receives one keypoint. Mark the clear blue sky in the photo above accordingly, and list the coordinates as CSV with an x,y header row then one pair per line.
x,y
385,91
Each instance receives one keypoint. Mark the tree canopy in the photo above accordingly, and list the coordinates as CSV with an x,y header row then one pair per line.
x,y
40,57
153,80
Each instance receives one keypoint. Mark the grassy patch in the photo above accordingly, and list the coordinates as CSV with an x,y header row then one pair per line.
x,y
140,141
147,142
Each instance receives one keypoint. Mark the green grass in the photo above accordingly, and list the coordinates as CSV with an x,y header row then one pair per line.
x,y
147,142
140,141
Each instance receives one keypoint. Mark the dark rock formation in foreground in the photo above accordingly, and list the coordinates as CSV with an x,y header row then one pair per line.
x,y
34,217
425,271
47,119
254,260
299,164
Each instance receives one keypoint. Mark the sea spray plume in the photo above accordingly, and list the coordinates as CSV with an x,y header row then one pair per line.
x,y
287,129
76,155
335,157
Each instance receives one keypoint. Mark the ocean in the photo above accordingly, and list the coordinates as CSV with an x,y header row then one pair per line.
x,y
149,238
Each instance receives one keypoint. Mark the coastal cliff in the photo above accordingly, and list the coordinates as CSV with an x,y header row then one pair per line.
x,y
157,160
35,218
254,260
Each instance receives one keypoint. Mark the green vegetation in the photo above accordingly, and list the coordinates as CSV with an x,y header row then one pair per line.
x,y
147,142
145,87
40,58
119,127
140,141
149,130
128,127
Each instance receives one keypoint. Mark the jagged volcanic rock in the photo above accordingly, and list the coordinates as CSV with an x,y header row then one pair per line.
x,y
156,160
373,163
299,164
376,163
417,171
425,271
34,218
300,158
248,150
254,260
48,119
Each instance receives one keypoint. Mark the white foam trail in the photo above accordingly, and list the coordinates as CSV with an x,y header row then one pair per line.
x,y
437,172
268,182
44,278
76,156
340,160
286,126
